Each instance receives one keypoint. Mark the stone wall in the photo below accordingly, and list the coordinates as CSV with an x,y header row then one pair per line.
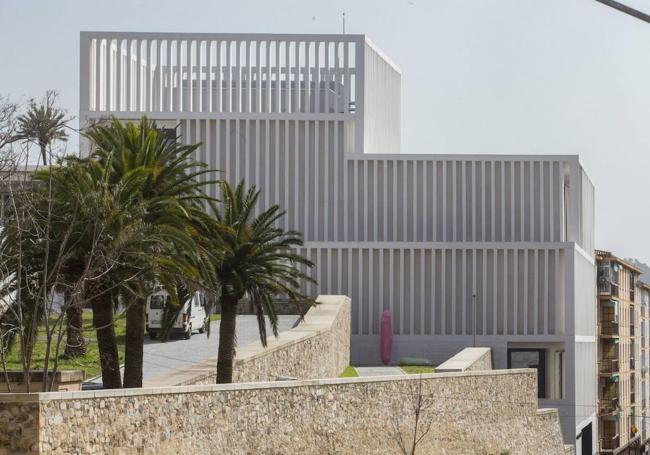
x,y
19,423
468,413
318,347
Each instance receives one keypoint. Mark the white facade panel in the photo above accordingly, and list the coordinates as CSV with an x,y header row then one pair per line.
x,y
489,249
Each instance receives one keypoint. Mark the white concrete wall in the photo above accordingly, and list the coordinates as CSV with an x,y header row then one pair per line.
x,y
419,234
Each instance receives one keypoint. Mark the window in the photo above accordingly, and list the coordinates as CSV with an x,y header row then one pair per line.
x,y
168,133
530,358
559,374
158,302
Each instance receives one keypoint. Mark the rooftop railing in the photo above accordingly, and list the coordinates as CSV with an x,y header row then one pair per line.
x,y
197,72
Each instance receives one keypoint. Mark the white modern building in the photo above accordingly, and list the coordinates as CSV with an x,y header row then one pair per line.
x,y
495,250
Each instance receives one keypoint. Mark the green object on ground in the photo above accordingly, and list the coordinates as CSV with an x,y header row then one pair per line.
x,y
215,317
415,361
417,369
349,372
89,363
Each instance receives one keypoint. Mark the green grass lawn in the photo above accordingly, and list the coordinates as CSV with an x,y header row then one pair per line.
x,y
89,363
349,372
417,369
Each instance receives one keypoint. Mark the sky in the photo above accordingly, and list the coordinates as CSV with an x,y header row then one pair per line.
x,y
478,76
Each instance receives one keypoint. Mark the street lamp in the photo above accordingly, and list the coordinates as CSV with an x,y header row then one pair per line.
x,y
626,9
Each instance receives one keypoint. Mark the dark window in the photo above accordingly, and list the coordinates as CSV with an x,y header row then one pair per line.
x,y
585,441
530,358
168,133
158,302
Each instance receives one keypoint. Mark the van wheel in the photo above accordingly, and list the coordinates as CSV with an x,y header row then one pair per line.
x,y
153,335
202,329
188,334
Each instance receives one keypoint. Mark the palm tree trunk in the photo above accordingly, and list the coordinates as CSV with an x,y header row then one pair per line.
x,y
106,341
75,345
44,153
227,339
133,353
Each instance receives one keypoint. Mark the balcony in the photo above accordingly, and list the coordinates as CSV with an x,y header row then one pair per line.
x,y
609,328
608,366
607,405
607,288
609,443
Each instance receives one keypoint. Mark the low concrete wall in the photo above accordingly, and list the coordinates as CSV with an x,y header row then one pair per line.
x,y
64,381
318,347
469,359
468,413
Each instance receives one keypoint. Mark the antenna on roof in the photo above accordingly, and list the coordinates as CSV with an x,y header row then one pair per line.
x,y
344,22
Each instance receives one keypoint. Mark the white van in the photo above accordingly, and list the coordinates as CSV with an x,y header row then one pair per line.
x,y
190,318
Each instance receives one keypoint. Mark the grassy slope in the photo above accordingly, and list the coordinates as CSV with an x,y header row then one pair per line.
x,y
349,372
89,363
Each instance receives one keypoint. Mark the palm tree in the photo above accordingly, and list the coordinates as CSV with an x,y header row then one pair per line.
x,y
43,123
110,231
174,199
258,261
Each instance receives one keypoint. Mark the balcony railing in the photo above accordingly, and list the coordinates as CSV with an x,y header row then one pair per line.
x,y
609,328
632,329
609,443
606,287
632,398
632,364
607,405
609,366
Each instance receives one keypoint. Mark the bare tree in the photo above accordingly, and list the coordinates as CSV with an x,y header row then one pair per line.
x,y
8,110
411,418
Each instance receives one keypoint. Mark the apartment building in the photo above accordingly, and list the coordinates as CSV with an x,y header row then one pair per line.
x,y
622,355
644,415
495,250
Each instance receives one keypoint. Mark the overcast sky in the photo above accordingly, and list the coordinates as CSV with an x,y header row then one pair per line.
x,y
478,76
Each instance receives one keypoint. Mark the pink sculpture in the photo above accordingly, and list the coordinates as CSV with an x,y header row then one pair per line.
x,y
386,337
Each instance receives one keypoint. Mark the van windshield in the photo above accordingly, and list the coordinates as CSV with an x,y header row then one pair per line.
x,y
158,302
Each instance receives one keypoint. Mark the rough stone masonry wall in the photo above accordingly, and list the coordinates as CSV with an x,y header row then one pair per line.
x,y
19,426
321,348
470,413
483,363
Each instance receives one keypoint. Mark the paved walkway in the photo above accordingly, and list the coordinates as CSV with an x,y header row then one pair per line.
x,y
379,371
163,358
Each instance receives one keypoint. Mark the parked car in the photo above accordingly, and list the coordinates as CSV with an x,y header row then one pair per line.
x,y
191,316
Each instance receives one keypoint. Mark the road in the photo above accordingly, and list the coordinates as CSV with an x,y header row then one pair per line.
x,y
162,358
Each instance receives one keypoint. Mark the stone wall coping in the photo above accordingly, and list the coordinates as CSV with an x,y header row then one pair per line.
x,y
115,393
463,360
